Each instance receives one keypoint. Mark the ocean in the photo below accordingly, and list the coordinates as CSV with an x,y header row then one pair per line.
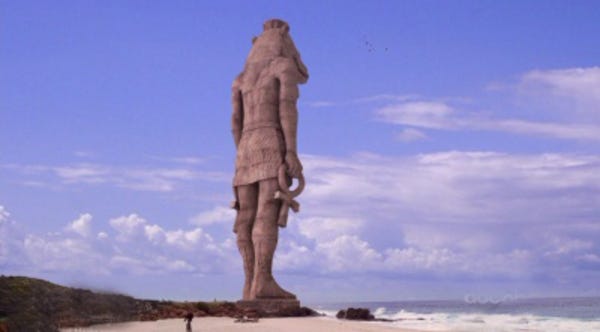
x,y
508,314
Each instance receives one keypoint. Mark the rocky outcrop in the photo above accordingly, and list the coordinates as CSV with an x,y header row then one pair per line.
x,y
29,304
355,314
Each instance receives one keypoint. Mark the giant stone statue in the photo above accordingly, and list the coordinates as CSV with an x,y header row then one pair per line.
x,y
264,124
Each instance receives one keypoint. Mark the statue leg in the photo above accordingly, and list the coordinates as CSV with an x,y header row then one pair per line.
x,y
247,198
264,237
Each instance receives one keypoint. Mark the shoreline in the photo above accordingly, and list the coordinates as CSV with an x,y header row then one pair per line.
x,y
226,324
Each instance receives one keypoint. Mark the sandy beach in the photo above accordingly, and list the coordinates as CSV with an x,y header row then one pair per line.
x,y
222,324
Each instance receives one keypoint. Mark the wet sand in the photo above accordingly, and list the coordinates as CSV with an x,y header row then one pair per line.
x,y
222,324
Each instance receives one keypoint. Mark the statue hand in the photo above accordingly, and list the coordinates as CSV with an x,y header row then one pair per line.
x,y
294,167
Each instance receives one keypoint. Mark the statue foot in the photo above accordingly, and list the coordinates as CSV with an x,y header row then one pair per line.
x,y
267,288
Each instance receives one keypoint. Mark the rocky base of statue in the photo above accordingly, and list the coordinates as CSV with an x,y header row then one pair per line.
x,y
274,308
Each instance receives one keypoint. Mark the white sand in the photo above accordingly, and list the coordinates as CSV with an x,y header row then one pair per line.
x,y
222,324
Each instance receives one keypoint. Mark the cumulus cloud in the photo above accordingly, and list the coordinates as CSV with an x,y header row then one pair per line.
x,y
133,226
453,213
139,247
323,228
348,253
154,233
217,215
456,212
127,226
190,239
58,253
81,225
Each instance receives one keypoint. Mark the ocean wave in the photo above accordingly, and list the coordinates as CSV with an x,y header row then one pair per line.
x,y
476,322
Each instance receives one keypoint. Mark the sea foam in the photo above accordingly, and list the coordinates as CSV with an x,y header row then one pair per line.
x,y
477,322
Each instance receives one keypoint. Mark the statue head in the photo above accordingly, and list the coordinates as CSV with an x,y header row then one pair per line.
x,y
275,41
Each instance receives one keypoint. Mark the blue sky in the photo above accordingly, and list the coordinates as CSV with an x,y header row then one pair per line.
x,y
450,148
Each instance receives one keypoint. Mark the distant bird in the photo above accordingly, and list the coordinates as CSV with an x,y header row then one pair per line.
x,y
369,46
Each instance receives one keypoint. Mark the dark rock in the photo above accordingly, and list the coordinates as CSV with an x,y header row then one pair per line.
x,y
299,312
355,314
273,308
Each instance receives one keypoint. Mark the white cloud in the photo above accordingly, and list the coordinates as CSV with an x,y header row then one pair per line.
x,y
84,154
347,253
127,226
219,214
156,265
425,114
453,186
556,130
154,233
324,228
190,160
84,173
292,256
189,239
369,99
440,116
410,135
570,93
56,253
321,103
455,213
161,179
154,179
133,227
561,245
413,259
81,225
581,84
386,97
458,212
590,258
3,214
139,247
5,235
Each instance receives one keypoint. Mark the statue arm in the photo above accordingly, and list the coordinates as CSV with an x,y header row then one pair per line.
x,y
237,116
288,116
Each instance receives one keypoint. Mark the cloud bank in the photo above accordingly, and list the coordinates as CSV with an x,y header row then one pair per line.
x,y
453,215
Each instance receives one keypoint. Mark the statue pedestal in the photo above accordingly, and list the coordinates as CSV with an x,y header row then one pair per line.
x,y
271,307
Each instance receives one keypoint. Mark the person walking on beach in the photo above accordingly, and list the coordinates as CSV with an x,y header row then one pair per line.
x,y
188,319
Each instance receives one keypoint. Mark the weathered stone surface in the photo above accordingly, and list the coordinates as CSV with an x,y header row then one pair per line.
x,y
274,308
264,125
355,314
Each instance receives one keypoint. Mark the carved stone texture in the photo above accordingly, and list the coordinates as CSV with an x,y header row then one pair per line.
x,y
264,125
271,307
